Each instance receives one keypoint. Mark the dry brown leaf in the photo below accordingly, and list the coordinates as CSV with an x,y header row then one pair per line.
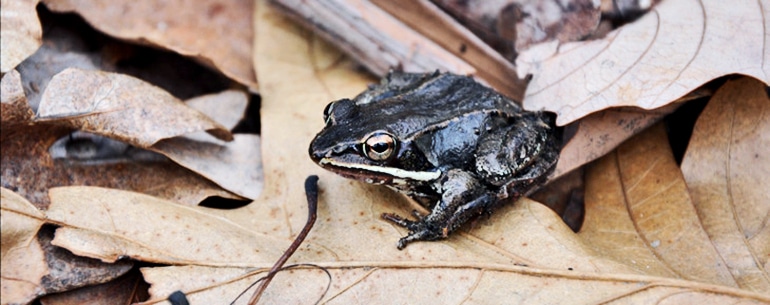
x,y
676,47
68,271
521,23
599,133
216,33
639,212
120,291
21,33
727,168
29,168
22,257
121,107
14,103
301,74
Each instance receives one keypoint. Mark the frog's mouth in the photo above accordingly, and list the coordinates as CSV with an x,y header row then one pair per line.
x,y
366,172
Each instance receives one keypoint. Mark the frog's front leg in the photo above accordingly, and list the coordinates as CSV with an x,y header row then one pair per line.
x,y
463,197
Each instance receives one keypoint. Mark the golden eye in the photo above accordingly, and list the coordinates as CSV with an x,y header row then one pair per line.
x,y
379,146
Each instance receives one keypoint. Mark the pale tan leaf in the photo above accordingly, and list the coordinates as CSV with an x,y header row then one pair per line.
x,y
121,107
21,33
676,47
727,169
235,166
22,257
639,212
436,283
226,107
111,224
214,32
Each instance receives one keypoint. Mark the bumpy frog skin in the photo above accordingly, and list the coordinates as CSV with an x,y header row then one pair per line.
x,y
453,145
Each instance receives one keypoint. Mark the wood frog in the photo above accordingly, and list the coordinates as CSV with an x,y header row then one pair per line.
x,y
453,145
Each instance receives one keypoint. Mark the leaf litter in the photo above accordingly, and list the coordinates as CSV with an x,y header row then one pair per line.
x,y
219,252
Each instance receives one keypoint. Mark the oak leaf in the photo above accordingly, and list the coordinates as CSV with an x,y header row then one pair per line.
x,y
676,47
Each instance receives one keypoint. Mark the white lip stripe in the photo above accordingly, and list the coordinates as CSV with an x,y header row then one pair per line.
x,y
395,172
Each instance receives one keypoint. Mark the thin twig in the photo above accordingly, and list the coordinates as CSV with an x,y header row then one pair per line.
x,y
311,191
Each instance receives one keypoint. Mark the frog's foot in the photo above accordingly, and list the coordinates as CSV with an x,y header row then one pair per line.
x,y
420,230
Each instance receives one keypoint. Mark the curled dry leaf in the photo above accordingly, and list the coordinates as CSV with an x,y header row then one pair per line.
x,y
22,257
673,49
599,133
25,147
226,107
68,271
727,168
21,33
216,33
235,166
121,107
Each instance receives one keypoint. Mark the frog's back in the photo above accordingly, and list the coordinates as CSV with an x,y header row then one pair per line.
x,y
407,102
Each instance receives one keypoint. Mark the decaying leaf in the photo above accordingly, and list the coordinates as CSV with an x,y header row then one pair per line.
x,y
21,33
676,47
14,109
22,258
726,168
223,39
123,290
515,24
121,107
68,271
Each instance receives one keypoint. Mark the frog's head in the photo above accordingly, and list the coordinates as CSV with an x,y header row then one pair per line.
x,y
359,143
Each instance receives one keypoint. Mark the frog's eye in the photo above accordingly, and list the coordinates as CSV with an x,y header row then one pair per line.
x,y
379,146
328,112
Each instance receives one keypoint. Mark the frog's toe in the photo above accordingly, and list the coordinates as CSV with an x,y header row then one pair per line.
x,y
403,222
424,233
